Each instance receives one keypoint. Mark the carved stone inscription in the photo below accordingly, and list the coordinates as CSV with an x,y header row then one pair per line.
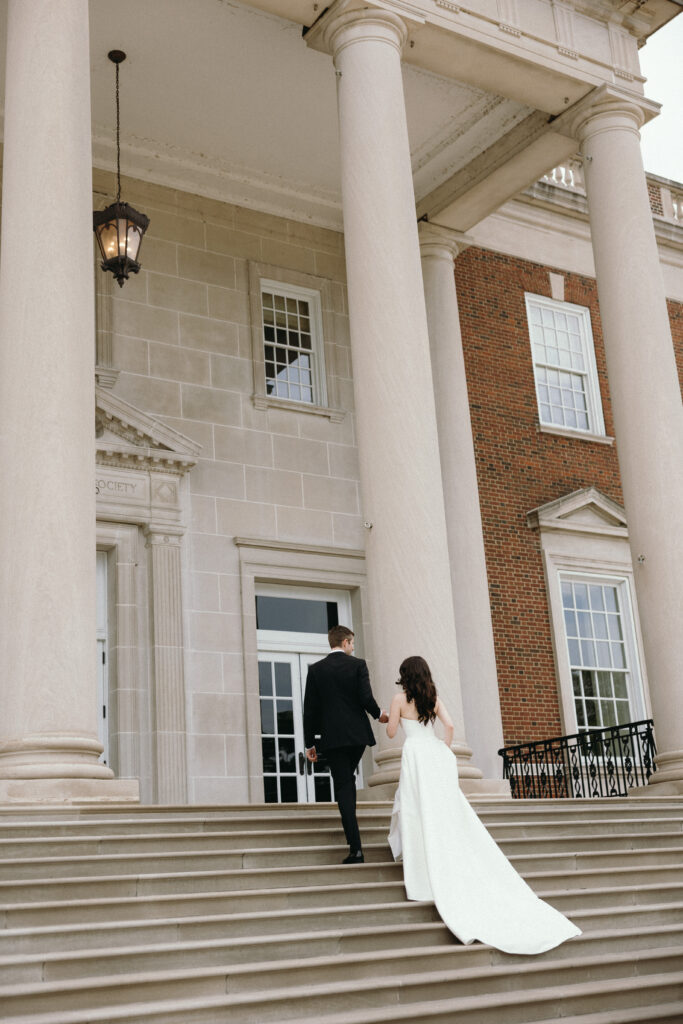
x,y
117,487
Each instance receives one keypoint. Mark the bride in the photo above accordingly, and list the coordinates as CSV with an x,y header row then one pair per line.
x,y
448,856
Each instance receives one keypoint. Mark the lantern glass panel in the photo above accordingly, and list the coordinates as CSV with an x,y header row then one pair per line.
x,y
134,238
107,236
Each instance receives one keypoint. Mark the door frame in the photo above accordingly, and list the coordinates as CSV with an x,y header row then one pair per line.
x,y
264,561
308,646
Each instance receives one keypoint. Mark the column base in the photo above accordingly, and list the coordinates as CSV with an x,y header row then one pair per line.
x,y
53,756
667,780
69,791
388,766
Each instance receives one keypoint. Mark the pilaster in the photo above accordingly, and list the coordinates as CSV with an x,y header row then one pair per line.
x,y
168,673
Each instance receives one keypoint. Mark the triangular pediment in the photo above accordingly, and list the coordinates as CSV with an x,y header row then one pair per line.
x,y
584,511
126,435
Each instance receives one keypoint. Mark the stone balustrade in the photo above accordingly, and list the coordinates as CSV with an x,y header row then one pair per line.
x,y
666,197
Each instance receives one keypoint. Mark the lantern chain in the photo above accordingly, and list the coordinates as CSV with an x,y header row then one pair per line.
x,y
118,139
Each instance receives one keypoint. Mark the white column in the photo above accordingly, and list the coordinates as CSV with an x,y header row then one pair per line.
x,y
476,654
170,786
48,729
409,586
645,396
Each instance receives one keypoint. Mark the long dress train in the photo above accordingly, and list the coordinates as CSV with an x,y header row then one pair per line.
x,y
449,857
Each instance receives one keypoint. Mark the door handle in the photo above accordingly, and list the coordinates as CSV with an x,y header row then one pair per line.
x,y
302,764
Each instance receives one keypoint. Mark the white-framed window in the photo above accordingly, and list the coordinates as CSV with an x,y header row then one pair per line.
x,y
601,672
291,323
565,372
293,318
601,650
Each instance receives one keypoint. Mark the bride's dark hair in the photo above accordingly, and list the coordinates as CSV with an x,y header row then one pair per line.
x,y
418,685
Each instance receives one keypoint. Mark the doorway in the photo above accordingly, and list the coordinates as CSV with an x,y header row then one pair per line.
x,y
292,625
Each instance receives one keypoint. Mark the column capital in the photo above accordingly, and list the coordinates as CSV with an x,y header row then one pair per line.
x,y
609,108
441,243
345,25
163,534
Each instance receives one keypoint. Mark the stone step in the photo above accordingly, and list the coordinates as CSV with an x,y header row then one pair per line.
x,y
232,925
224,921
653,973
34,848
39,890
672,1013
589,826
201,861
605,876
188,824
42,821
358,889
663,1013
65,914
609,896
128,885
327,955
244,914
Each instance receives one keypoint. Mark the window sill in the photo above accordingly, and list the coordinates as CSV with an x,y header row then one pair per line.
x,y
269,402
578,435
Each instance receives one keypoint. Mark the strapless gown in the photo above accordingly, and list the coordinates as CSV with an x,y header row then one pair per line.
x,y
449,857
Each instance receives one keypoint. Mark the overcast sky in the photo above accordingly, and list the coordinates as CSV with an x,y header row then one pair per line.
x,y
662,62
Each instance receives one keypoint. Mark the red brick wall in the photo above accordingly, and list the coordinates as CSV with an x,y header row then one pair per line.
x,y
676,319
655,195
520,468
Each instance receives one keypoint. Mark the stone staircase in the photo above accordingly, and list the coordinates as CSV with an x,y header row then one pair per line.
x,y
244,914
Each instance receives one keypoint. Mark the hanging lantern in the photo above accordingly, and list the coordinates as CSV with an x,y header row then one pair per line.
x,y
119,229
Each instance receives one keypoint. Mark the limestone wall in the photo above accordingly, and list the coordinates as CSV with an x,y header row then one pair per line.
x,y
181,339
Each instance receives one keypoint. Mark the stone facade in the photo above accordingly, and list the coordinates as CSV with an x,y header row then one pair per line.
x,y
182,345
211,485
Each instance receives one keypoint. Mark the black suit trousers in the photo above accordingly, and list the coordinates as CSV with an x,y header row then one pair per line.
x,y
343,762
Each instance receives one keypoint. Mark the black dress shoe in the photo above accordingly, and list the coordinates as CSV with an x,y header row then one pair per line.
x,y
354,858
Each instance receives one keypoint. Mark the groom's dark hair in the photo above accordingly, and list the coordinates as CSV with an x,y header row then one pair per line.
x,y
338,634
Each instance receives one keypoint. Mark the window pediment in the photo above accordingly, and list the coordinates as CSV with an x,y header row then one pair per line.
x,y
584,511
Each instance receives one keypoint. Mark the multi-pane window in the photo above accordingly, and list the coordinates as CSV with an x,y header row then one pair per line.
x,y
277,732
292,343
596,627
567,386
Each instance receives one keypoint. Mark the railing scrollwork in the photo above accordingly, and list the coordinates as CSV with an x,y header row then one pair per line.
x,y
599,763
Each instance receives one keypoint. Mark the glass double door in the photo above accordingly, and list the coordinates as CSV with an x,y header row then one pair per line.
x,y
288,777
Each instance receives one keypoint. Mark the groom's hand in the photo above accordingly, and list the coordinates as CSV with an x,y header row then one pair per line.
x,y
383,717
311,754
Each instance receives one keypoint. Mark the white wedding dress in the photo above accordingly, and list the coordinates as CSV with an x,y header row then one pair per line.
x,y
449,857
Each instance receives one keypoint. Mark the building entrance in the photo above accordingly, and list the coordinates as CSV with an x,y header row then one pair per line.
x,y
292,625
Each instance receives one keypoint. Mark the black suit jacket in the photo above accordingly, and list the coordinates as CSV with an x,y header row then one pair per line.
x,y
338,695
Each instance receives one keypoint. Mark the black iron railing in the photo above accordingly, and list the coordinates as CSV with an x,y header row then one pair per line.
x,y
602,762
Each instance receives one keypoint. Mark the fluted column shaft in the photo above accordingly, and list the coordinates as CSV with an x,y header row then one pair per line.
x,y
47,499
168,703
476,654
409,587
646,399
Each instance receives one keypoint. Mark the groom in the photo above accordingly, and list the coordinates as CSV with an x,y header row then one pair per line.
x,y
338,695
